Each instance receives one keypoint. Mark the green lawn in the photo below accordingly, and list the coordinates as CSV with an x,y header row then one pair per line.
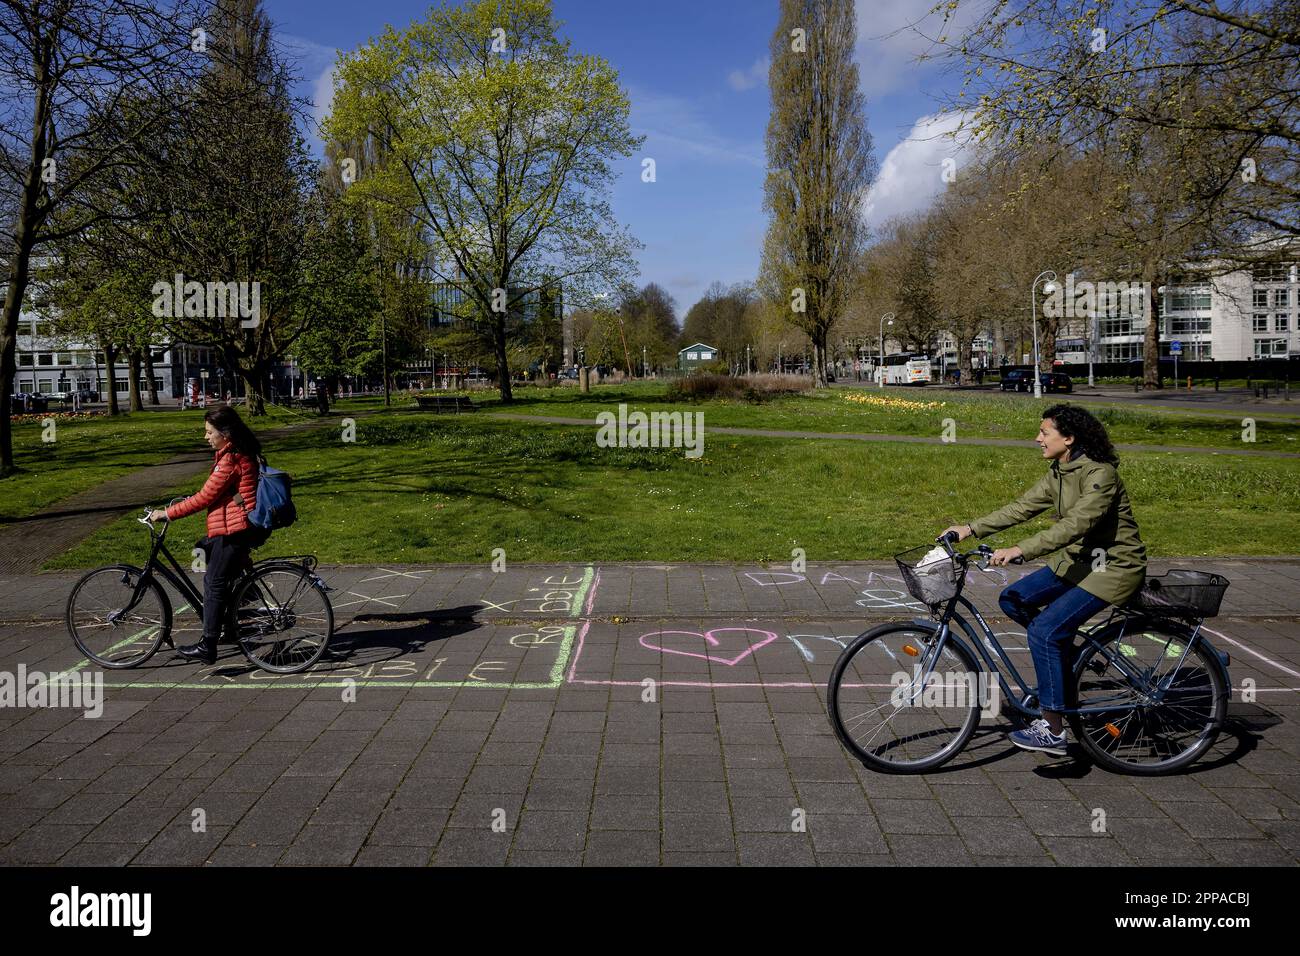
x,y
88,451
975,415
420,489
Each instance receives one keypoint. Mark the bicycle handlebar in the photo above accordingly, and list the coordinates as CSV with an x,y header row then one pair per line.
x,y
983,551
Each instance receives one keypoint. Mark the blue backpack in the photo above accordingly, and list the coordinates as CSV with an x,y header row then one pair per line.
x,y
274,508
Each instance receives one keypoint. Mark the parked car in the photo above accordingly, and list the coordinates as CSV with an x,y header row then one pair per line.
x,y
26,403
87,395
1021,380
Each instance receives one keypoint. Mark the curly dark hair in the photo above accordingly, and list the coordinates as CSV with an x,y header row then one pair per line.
x,y
1089,434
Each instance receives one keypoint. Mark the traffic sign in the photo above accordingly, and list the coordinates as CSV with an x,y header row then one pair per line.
x,y
1175,347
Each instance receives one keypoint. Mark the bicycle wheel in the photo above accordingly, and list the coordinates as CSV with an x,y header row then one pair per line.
x,y
1161,721
888,714
283,620
107,627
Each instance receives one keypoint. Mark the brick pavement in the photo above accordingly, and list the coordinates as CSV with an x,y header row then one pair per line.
x,y
500,719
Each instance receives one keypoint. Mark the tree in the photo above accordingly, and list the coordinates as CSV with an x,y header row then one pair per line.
x,y
1195,109
498,141
723,318
238,203
820,165
1226,76
650,320
65,66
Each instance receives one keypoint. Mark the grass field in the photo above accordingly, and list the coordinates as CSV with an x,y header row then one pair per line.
x,y
905,411
88,451
419,489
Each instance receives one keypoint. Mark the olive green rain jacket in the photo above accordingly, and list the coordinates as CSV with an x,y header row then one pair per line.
x,y
1093,517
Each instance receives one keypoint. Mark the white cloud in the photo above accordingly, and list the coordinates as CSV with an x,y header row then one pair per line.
x,y
890,38
312,59
912,174
674,128
756,75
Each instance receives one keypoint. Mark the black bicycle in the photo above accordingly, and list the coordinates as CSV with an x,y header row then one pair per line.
x,y
280,612
1148,693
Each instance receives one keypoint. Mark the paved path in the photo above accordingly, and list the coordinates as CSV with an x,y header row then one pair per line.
x,y
27,543
906,439
504,718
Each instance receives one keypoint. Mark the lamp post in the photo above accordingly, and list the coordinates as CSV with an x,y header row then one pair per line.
x,y
886,319
1048,289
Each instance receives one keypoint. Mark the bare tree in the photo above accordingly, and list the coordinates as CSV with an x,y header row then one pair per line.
x,y
65,67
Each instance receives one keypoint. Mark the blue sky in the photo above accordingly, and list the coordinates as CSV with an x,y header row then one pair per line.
x,y
696,73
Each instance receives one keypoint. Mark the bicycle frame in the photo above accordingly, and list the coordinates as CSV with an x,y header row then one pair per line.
x,y
176,576
985,639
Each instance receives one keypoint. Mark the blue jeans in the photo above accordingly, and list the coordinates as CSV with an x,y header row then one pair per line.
x,y
1051,610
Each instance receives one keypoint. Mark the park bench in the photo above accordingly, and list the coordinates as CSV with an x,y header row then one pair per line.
x,y
445,403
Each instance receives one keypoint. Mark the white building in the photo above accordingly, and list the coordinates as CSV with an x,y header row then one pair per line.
x,y
1245,314
47,363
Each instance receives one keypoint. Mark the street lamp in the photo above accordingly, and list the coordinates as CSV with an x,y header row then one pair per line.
x,y
886,319
1048,289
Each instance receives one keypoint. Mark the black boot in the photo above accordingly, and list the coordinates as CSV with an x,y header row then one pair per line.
x,y
204,652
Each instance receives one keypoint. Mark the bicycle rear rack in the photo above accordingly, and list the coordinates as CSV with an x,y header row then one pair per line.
x,y
308,561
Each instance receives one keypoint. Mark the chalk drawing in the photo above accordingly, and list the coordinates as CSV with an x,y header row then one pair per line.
x,y
661,641
564,595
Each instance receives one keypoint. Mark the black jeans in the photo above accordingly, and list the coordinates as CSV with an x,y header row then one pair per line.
x,y
228,557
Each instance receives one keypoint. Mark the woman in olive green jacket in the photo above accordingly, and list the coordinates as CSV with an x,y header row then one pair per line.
x,y
1100,561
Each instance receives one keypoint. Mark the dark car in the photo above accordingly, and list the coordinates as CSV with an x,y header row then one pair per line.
x,y
1015,380
25,403
1021,380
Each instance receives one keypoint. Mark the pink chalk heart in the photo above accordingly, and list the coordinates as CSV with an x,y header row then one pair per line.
x,y
712,640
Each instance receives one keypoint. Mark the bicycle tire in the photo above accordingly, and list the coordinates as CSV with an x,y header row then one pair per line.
x,y
128,576
1210,666
866,757
257,623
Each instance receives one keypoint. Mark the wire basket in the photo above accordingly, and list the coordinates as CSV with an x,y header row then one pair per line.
x,y
931,582
1182,593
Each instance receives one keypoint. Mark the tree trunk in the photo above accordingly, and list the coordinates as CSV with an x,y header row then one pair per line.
x,y
964,361
9,367
819,357
13,306
110,378
503,361
1151,340
133,380
254,391
1047,347
150,378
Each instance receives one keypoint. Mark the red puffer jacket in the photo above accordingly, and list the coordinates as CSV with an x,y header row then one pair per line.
x,y
229,494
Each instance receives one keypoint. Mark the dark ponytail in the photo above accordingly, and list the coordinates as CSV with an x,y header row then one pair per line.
x,y
227,421
1089,434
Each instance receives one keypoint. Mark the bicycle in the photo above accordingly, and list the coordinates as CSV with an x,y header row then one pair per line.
x,y
1130,715
280,613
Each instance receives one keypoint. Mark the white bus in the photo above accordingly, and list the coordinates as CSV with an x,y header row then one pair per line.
x,y
905,369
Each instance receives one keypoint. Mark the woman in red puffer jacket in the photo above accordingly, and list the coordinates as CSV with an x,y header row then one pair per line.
x,y
229,494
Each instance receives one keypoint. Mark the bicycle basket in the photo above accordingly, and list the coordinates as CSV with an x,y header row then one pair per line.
x,y
930,579
1182,593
